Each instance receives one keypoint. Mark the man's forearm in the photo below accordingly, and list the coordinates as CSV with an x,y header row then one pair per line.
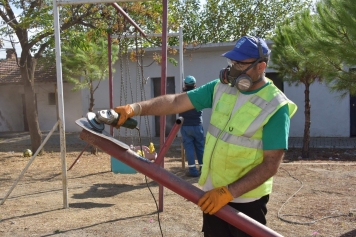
x,y
167,104
258,175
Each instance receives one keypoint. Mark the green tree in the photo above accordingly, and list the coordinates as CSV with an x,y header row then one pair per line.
x,y
87,66
298,63
186,14
226,20
334,34
34,30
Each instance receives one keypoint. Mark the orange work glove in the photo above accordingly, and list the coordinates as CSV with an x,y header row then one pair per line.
x,y
125,112
215,199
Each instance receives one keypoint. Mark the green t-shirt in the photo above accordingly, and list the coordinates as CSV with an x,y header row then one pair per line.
x,y
276,130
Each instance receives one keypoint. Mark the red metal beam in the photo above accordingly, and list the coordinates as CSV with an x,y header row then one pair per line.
x,y
124,14
171,136
176,184
78,157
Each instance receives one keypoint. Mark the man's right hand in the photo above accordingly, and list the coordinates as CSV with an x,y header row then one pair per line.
x,y
125,112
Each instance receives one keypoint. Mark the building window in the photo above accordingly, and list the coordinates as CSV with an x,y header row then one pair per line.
x,y
52,98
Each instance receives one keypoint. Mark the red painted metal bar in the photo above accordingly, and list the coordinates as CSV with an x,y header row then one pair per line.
x,y
78,157
170,139
122,12
176,184
163,88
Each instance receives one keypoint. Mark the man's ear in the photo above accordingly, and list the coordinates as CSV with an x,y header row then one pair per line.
x,y
261,67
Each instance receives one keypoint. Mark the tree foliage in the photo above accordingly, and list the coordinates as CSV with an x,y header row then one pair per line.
x,y
335,37
83,66
298,63
228,20
186,14
87,66
293,56
318,47
33,28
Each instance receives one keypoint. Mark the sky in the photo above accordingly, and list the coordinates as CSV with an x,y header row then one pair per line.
x,y
8,44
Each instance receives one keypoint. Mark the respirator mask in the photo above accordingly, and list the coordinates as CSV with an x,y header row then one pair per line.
x,y
234,76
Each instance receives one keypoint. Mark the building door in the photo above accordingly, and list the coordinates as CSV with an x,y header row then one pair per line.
x,y
352,116
170,89
277,79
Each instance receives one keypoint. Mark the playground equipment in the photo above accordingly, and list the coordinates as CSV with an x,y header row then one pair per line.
x,y
122,152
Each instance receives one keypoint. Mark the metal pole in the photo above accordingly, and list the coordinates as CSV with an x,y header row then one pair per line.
x,y
117,7
170,138
176,184
147,35
181,66
60,103
29,163
74,2
78,157
181,74
111,94
163,90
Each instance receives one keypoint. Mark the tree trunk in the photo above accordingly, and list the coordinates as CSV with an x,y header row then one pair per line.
x,y
306,138
91,99
94,150
28,65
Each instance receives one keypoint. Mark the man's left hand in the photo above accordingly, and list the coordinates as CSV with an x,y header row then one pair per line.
x,y
213,200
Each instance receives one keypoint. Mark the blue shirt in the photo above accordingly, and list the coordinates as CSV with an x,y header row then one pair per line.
x,y
192,117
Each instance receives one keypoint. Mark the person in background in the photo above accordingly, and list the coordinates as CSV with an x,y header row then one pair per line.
x,y
246,139
192,133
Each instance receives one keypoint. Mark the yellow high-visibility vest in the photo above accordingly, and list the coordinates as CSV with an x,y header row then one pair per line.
x,y
233,143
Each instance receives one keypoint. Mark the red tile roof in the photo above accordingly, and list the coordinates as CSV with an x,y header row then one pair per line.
x,y
10,72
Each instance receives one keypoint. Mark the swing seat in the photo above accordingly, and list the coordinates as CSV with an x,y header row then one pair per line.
x,y
146,150
119,167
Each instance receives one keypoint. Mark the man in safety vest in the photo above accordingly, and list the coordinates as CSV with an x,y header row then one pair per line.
x,y
247,135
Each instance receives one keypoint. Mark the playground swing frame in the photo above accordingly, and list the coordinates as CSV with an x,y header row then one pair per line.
x,y
226,213
61,117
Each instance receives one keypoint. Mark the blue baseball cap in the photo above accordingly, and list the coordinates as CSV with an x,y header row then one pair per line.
x,y
189,80
247,47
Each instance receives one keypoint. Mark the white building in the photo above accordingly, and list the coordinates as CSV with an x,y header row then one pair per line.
x,y
330,114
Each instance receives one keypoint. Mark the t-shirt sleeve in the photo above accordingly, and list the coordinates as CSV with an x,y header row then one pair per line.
x,y
202,97
276,130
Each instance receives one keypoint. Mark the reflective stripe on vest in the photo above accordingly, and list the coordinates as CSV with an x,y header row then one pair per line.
x,y
267,107
237,140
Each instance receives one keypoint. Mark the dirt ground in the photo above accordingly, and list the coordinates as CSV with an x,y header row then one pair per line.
x,y
314,197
